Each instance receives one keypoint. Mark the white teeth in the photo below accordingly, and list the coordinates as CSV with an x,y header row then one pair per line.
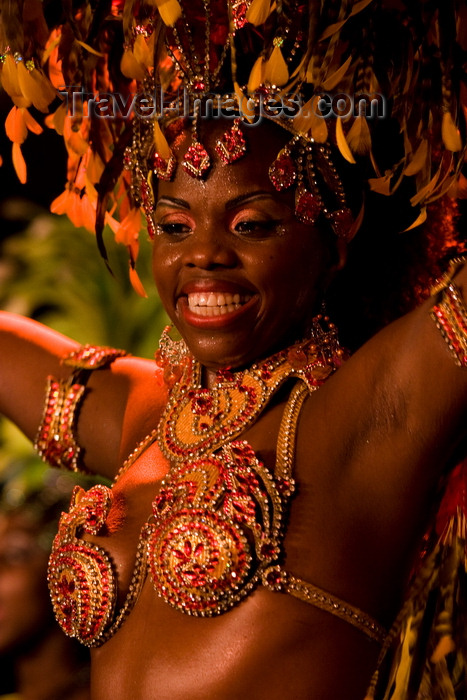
x,y
212,304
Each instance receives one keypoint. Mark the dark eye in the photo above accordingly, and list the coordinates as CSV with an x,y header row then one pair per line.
x,y
173,228
254,227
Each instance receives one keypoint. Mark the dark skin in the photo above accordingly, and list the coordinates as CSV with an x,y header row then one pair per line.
x,y
372,445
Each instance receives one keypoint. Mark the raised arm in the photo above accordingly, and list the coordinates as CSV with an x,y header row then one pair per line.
x,y
109,423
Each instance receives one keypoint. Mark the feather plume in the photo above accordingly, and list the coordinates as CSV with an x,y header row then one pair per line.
x,y
19,163
35,87
450,133
15,125
160,142
259,11
131,68
342,144
359,137
170,11
418,160
275,68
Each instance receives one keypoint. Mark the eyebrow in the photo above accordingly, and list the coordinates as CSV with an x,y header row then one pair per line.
x,y
231,204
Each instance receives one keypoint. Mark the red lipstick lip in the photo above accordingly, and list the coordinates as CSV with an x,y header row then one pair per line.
x,y
211,322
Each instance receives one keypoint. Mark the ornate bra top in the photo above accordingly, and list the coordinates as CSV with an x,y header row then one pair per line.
x,y
217,524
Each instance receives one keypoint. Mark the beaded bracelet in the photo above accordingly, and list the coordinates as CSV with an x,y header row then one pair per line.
x,y
56,439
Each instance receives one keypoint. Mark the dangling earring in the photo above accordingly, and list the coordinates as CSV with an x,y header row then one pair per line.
x,y
172,356
324,333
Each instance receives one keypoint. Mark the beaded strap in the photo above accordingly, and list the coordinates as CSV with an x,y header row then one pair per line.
x,y
275,577
56,439
450,316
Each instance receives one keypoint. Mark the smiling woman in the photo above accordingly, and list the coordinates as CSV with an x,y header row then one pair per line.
x,y
269,530
235,235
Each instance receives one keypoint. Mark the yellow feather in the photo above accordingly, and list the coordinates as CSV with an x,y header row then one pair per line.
x,y
334,79
275,68
421,218
89,49
419,159
381,185
259,11
169,10
319,129
450,133
31,123
35,87
444,647
162,147
342,144
131,68
15,125
10,82
359,137
19,163
141,51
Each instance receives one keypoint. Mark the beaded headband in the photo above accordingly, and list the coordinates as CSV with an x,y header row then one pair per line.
x,y
112,74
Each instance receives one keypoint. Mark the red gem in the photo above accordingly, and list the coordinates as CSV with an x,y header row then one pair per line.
x,y
342,221
198,86
307,206
196,162
274,578
164,169
268,550
231,146
239,14
282,172
202,404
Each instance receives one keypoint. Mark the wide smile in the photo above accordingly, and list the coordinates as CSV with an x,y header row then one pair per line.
x,y
209,304
211,308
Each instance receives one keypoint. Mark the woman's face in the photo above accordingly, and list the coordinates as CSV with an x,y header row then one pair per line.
x,y
239,276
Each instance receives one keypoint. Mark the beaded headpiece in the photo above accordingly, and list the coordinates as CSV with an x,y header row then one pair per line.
x,y
113,74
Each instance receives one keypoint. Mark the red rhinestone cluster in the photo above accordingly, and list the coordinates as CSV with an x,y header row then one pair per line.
x,y
55,441
283,172
80,575
196,161
206,517
232,145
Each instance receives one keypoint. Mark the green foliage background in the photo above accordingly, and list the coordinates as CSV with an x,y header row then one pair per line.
x,y
52,272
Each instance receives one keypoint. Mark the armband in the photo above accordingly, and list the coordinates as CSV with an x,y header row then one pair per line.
x,y
450,316
56,439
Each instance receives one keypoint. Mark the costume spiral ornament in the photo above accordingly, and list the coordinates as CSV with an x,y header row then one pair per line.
x,y
216,524
80,574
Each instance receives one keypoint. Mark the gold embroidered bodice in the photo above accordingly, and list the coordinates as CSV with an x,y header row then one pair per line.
x,y
218,521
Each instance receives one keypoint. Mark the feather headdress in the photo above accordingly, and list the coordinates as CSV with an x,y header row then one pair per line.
x,y
90,64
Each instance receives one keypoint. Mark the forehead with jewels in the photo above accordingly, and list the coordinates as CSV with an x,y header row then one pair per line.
x,y
301,165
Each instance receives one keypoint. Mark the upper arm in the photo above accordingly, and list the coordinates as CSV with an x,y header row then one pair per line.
x,y
119,403
29,353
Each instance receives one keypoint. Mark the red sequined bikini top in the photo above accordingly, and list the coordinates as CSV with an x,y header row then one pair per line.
x,y
217,524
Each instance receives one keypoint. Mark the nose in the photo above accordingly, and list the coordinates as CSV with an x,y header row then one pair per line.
x,y
209,247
